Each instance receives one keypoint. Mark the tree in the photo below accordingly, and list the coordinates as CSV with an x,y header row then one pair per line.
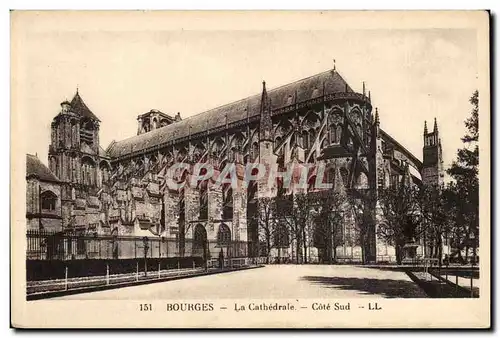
x,y
401,217
465,170
294,211
364,221
328,220
266,222
436,215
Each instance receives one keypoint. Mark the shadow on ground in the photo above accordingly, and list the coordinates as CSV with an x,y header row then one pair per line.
x,y
388,288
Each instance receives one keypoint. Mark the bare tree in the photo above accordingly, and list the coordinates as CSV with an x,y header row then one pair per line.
x,y
293,210
436,220
266,222
363,213
401,216
328,219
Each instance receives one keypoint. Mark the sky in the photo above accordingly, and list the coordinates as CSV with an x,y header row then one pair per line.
x,y
121,72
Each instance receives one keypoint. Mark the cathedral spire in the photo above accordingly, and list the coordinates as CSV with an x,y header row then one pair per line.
x,y
435,125
264,101
364,89
377,119
425,127
265,114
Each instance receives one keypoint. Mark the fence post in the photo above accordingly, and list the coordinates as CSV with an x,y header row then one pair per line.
x,y
178,265
137,271
194,264
159,269
456,284
66,278
107,273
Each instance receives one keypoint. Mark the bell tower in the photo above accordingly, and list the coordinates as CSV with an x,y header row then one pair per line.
x,y
79,162
432,171
65,142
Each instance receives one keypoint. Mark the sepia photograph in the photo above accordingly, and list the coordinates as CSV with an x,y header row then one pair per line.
x,y
250,169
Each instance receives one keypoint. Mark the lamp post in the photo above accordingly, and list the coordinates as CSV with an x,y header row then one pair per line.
x,y
146,248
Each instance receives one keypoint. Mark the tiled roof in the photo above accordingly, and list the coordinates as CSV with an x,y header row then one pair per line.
x,y
35,168
79,107
304,89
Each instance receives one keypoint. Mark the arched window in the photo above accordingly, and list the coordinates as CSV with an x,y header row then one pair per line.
x,y
204,200
227,207
362,181
88,171
338,134
305,139
223,235
199,240
49,200
333,133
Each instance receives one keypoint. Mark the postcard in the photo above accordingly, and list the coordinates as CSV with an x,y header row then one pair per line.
x,y
280,169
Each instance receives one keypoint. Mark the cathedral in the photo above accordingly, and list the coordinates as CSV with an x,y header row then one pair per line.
x,y
122,190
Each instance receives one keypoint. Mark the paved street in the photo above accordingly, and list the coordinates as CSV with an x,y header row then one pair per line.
x,y
276,281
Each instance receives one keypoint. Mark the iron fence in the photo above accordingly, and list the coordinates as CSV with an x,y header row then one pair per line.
x,y
46,245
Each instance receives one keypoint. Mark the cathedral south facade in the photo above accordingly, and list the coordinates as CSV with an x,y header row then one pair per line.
x,y
124,189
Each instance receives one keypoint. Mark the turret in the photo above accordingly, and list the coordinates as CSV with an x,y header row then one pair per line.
x,y
154,119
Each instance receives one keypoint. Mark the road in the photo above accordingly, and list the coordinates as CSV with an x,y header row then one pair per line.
x,y
276,281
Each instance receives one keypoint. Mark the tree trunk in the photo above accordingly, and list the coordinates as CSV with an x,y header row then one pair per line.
x,y
304,244
399,252
297,247
268,244
363,249
440,250
329,243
